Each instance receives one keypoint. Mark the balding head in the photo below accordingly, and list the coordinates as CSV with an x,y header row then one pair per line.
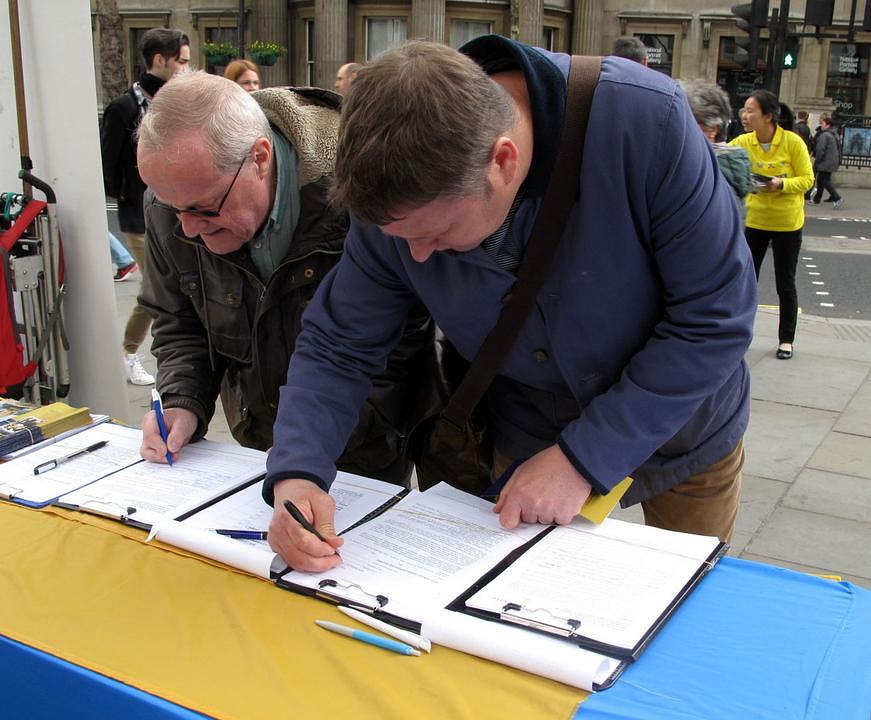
x,y
346,75
213,108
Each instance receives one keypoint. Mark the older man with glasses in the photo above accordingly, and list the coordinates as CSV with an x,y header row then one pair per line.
x,y
240,234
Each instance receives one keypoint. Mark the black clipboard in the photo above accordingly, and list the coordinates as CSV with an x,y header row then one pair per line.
x,y
569,629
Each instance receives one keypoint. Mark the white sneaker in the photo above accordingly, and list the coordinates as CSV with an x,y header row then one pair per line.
x,y
136,374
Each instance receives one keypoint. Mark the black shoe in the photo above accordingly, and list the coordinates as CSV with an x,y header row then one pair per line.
x,y
783,353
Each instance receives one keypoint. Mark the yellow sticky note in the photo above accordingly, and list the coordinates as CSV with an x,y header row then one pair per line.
x,y
598,507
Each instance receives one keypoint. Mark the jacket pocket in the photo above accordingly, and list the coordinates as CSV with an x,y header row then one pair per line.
x,y
222,311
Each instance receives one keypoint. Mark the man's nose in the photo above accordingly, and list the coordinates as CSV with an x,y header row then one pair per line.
x,y
192,225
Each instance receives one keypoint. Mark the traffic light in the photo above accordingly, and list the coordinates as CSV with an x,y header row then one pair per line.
x,y
819,12
750,17
790,52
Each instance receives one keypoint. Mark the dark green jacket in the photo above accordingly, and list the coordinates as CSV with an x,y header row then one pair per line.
x,y
219,329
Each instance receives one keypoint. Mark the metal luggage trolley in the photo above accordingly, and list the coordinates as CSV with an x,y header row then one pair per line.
x,y
33,346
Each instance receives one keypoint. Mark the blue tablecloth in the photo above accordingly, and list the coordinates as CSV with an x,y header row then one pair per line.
x,y
35,685
752,641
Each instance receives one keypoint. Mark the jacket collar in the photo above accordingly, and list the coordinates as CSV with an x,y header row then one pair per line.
x,y
546,83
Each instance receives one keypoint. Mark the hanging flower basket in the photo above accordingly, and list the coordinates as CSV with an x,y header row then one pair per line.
x,y
266,53
264,58
219,54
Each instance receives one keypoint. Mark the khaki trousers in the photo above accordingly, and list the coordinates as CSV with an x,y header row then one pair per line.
x,y
704,504
139,320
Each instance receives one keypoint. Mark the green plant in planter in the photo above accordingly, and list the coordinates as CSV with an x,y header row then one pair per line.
x,y
266,53
219,53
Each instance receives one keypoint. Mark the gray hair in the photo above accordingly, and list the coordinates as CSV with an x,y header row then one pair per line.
x,y
227,118
708,102
631,48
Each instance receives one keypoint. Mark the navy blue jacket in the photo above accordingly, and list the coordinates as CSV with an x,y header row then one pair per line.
x,y
643,320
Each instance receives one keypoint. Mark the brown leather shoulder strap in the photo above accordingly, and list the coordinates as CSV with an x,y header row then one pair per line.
x,y
562,190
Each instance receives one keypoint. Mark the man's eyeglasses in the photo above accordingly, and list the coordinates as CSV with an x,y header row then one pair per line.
x,y
217,211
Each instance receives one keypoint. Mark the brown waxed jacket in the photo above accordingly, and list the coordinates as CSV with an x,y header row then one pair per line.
x,y
219,329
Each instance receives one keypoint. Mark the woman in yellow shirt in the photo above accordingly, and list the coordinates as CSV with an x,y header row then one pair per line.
x,y
775,214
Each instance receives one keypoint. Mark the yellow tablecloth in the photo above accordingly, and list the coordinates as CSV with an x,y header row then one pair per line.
x,y
211,639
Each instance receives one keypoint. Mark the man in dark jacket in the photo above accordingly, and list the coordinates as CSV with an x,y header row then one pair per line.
x,y
166,52
240,234
827,158
632,361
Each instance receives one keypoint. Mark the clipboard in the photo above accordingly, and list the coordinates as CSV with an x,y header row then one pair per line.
x,y
363,599
569,627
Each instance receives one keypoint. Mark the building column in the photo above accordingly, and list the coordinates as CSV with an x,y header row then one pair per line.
x,y
428,20
530,21
270,25
587,27
331,40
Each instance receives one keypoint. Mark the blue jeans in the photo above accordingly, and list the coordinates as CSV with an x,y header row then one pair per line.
x,y
120,254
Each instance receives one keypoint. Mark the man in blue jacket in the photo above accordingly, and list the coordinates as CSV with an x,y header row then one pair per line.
x,y
632,361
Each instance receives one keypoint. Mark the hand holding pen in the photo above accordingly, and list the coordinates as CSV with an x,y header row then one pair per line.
x,y
180,426
309,544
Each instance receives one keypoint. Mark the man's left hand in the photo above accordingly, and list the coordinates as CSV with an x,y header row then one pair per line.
x,y
545,489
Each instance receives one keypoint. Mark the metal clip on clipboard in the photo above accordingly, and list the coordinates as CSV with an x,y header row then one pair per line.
x,y
125,511
380,600
564,627
8,492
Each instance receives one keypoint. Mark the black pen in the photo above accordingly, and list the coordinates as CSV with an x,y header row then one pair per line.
x,y
52,464
300,518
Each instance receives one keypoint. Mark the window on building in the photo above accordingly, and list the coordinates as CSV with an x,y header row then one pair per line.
x,y
548,38
310,52
847,77
660,49
383,34
138,61
464,30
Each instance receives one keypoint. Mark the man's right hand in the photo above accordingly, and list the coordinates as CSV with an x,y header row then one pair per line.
x,y
297,546
180,427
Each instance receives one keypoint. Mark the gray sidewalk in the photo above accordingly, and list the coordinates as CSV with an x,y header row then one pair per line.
x,y
806,501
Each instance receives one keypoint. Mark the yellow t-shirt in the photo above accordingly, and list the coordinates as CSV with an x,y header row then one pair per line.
x,y
787,158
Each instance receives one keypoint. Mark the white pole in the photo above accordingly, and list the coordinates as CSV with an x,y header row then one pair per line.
x,y
61,96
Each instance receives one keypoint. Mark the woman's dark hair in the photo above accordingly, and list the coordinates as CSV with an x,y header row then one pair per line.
x,y
787,117
769,103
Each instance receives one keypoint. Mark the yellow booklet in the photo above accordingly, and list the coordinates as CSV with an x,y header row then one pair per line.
x,y
598,507
21,425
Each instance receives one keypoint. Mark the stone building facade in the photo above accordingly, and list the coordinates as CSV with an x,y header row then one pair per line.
x,y
685,39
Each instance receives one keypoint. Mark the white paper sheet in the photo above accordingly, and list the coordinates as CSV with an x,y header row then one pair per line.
x,y
155,491
355,498
613,578
122,450
519,648
423,551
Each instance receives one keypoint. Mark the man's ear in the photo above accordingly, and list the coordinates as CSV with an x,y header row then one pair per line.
x,y
505,159
262,151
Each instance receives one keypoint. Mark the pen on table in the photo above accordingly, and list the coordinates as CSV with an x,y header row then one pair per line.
x,y
369,638
406,636
157,406
51,464
242,534
300,518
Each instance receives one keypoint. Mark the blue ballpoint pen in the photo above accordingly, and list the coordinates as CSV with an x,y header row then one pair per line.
x,y
377,640
157,406
242,534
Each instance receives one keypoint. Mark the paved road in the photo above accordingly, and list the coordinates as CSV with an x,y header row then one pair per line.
x,y
844,277
856,228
